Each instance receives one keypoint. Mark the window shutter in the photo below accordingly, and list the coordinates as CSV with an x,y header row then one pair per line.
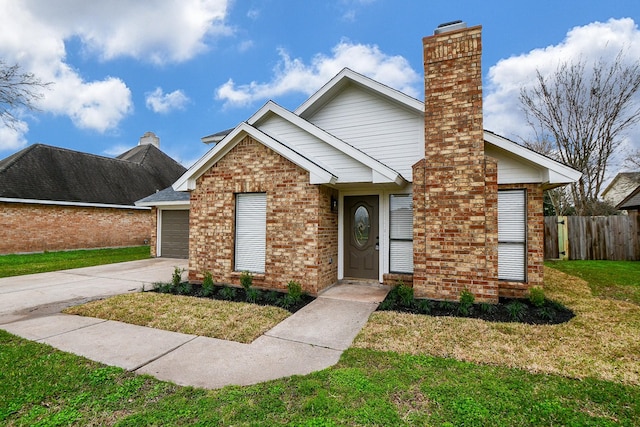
x,y
251,232
401,233
512,235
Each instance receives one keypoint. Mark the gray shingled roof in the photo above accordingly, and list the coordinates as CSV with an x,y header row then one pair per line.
x,y
632,201
166,195
43,172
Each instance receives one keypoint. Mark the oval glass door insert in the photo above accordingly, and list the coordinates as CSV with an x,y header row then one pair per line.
x,y
361,226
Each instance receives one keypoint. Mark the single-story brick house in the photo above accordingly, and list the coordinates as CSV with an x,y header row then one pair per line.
x,y
364,182
57,199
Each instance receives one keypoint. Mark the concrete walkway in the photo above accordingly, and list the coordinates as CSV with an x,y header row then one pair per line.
x,y
309,340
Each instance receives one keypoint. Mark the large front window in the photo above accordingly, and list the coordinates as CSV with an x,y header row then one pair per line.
x,y
512,235
401,233
251,232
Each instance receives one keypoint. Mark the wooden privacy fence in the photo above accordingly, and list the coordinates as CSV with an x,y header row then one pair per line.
x,y
615,238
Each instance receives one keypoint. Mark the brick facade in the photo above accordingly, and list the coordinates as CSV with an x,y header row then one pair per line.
x,y
28,227
302,230
455,186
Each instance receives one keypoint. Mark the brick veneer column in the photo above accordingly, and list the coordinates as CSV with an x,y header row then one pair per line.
x,y
455,199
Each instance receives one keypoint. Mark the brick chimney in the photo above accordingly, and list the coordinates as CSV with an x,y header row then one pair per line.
x,y
455,185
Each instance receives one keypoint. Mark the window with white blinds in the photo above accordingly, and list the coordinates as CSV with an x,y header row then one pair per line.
x,y
512,235
401,233
251,232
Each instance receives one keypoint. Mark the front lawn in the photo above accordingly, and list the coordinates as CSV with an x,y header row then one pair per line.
x,y
43,386
608,279
16,265
404,369
189,315
601,341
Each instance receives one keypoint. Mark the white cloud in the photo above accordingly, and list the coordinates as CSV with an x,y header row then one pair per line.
x,y
117,149
589,43
13,138
34,33
160,102
293,75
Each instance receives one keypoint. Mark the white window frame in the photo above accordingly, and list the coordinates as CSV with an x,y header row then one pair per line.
x,y
400,237
512,235
251,232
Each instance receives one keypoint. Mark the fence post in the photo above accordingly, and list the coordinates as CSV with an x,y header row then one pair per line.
x,y
563,238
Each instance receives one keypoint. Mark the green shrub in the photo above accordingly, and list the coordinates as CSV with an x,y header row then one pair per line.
x,y
176,277
183,288
207,284
287,301
446,305
405,294
536,296
488,308
227,293
547,313
516,310
425,306
253,295
272,297
295,291
246,280
465,307
163,288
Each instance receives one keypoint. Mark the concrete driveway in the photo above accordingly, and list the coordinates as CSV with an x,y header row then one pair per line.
x,y
46,293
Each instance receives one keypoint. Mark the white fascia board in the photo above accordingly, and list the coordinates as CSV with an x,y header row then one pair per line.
x,y
65,203
176,204
380,172
347,74
187,182
555,172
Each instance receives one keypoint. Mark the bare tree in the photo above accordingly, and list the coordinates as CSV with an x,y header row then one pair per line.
x,y
18,90
633,160
585,114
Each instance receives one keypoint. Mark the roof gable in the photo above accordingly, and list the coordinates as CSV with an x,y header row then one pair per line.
x,y
553,173
379,171
346,77
318,174
42,172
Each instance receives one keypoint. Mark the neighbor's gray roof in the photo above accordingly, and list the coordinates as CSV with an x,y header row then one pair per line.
x,y
632,201
166,195
43,172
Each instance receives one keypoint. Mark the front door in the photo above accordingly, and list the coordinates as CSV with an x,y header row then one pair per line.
x,y
361,237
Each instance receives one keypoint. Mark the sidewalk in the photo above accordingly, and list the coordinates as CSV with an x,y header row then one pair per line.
x,y
309,340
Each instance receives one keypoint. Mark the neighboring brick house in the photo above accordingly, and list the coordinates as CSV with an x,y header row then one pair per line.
x,y
364,182
57,199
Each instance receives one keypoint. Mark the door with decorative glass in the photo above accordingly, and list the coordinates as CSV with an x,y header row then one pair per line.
x,y
361,239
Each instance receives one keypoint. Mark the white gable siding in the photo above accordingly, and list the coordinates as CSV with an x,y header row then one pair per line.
x,y
512,170
347,168
383,130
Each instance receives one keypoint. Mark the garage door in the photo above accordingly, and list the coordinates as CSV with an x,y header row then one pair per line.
x,y
174,235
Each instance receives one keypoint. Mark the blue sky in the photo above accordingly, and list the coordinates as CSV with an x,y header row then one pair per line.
x,y
188,68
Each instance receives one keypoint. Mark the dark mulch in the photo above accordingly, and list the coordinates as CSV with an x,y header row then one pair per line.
x,y
507,310
236,294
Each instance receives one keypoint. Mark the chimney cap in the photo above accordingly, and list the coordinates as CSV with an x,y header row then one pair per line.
x,y
450,26
149,138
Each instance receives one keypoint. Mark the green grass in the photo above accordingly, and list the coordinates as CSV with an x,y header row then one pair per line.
x,y
46,387
618,280
16,265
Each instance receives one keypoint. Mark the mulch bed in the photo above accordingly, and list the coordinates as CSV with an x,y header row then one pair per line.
x,y
507,310
236,294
